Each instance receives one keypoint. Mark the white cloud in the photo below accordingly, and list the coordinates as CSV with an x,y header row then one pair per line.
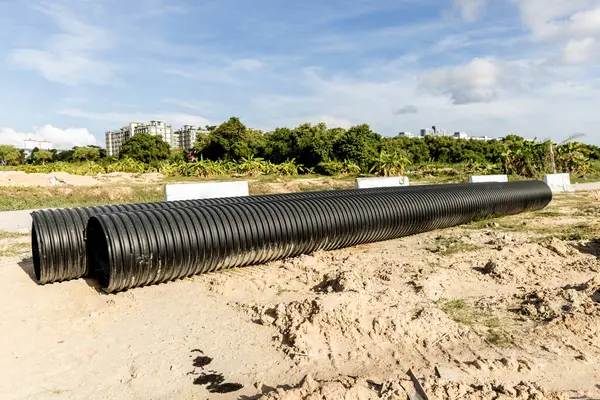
x,y
61,138
572,26
178,72
246,64
190,105
120,119
469,9
332,121
586,22
578,51
475,82
69,57
545,17
65,68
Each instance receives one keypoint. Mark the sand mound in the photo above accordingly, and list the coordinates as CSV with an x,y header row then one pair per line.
x,y
550,304
351,388
20,178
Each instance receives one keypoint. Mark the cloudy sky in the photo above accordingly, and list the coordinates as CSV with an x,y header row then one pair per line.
x,y
70,69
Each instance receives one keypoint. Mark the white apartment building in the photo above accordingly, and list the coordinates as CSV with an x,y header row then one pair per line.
x,y
485,138
115,138
461,135
158,128
185,137
406,134
31,144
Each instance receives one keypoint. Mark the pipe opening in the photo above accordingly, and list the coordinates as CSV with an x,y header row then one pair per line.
x,y
98,259
35,251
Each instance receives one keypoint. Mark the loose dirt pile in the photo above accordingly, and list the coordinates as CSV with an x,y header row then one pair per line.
x,y
20,178
507,309
434,387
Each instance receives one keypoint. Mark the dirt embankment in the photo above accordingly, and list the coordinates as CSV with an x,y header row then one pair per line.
x,y
20,178
507,309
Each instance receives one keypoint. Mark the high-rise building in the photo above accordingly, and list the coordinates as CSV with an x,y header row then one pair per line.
x,y
461,135
433,131
185,137
114,139
158,128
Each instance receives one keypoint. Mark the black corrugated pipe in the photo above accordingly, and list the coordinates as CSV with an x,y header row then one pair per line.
x,y
130,249
57,235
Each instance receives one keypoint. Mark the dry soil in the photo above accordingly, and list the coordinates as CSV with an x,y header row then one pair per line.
x,y
20,178
506,309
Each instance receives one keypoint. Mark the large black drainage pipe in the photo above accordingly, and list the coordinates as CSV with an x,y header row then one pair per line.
x,y
57,235
139,248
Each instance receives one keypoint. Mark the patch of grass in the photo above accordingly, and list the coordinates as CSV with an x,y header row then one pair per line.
x,y
458,310
11,235
499,338
548,213
450,246
14,249
334,186
588,211
568,232
581,231
426,180
484,322
25,198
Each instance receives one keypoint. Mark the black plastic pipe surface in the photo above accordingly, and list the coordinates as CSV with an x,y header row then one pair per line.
x,y
58,239
130,249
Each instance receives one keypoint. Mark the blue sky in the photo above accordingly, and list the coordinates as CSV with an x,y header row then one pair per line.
x,y
71,69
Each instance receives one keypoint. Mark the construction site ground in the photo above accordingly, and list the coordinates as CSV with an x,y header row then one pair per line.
x,y
502,309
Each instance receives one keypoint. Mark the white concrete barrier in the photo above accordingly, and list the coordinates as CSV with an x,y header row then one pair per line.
x,y
16,221
487,178
366,183
559,182
193,191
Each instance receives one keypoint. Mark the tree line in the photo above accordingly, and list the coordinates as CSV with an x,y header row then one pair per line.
x,y
332,151
360,149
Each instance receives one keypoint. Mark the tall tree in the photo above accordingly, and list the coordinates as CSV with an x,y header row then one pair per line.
x,y
280,145
42,157
10,155
360,145
231,141
145,148
86,154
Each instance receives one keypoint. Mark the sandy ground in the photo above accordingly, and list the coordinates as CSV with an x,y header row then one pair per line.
x,y
586,186
503,310
20,178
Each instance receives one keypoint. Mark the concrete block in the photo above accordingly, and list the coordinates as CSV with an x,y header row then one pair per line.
x,y
193,191
366,183
488,178
16,221
559,183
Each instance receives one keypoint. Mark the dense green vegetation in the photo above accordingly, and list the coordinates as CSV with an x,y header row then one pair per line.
x,y
145,148
233,149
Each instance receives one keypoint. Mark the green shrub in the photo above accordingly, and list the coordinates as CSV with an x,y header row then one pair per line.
x,y
128,165
329,168
334,168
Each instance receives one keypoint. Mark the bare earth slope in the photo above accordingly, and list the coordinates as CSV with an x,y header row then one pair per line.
x,y
508,309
